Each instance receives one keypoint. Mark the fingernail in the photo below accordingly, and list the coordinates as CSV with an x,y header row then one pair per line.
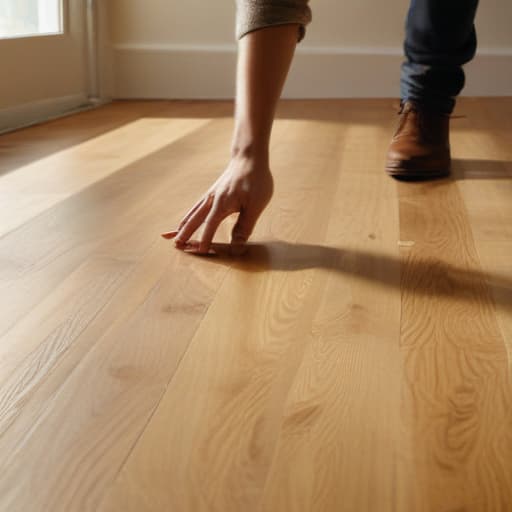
x,y
169,234
194,248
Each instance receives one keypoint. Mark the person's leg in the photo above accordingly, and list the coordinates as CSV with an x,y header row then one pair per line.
x,y
440,38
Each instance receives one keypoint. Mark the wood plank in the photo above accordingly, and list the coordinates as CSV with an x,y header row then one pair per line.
x,y
341,432
46,328
136,201
45,346
485,182
237,394
175,301
457,386
358,358
79,424
33,347
24,146
41,184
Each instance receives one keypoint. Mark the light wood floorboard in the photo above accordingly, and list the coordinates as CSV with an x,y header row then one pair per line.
x,y
358,358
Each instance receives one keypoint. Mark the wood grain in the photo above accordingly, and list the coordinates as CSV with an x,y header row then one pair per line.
x,y
485,182
135,199
234,397
358,358
457,386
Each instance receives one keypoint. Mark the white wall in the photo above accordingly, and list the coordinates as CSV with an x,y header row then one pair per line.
x,y
187,49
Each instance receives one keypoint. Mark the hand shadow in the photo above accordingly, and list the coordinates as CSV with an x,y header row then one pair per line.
x,y
427,277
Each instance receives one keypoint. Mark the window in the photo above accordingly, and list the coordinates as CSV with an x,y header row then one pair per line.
x,y
22,18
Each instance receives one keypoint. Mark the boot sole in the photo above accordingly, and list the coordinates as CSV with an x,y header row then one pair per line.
x,y
416,174
415,171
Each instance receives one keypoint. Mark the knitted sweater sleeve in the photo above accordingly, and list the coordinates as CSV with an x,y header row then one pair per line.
x,y
254,14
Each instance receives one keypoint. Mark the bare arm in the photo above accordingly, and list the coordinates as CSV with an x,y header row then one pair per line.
x,y
264,59
246,185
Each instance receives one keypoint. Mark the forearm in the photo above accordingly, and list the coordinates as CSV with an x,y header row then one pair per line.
x,y
264,59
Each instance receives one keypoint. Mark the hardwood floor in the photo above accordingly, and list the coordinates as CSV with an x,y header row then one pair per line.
x,y
357,358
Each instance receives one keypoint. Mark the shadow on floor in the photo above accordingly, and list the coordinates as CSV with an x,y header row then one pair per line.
x,y
426,277
471,169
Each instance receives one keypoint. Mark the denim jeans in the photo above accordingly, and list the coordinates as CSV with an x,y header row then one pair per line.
x,y
440,37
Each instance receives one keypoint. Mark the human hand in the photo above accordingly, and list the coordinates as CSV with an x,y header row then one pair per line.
x,y
246,186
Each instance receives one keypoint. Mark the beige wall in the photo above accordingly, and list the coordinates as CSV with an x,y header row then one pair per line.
x,y
353,48
187,49
354,23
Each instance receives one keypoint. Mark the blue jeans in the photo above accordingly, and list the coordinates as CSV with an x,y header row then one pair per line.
x,y
440,37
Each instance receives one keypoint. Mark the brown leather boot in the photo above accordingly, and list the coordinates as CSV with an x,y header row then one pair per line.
x,y
420,147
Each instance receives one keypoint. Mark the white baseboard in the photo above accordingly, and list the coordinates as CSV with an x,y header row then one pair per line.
x,y
170,71
20,116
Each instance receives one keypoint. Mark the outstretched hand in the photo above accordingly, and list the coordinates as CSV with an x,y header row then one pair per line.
x,y
245,186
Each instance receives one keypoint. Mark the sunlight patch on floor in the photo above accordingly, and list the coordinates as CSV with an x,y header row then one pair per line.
x,y
31,189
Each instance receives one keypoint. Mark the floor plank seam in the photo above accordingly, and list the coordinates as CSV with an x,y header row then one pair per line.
x,y
157,405
84,355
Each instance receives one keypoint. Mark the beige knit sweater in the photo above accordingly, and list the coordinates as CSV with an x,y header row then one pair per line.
x,y
255,14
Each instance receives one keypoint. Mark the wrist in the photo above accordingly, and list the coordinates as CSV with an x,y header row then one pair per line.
x,y
250,150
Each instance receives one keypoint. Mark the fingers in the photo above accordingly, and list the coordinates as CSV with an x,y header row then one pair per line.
x,y
193,222
244,226
192,211
212,210
242,231
214,218
173,233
